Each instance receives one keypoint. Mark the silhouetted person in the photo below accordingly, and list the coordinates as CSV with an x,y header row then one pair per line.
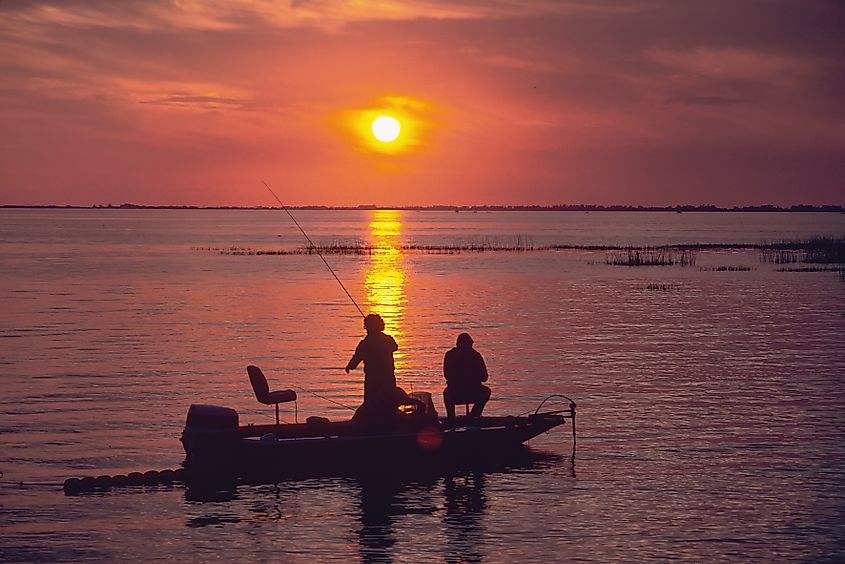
x,y
465,371
381,396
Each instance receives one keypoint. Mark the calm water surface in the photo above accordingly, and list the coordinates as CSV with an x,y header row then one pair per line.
x,y
710,401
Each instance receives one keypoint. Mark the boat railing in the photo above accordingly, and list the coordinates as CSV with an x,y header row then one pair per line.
x,y
570,410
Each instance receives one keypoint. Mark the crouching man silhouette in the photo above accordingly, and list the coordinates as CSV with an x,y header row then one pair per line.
x,y
464,369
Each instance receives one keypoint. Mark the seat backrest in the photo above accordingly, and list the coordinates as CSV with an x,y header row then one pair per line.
x,y
259,382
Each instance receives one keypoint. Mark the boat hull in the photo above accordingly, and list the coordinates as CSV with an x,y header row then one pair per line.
x,y
325,448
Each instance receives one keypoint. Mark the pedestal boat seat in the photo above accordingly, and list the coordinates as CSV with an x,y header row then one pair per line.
x,y
263,393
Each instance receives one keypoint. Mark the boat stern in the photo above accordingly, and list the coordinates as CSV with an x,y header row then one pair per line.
x,y
210,436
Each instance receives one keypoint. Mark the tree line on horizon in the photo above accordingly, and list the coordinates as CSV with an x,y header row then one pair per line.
x,y
476,208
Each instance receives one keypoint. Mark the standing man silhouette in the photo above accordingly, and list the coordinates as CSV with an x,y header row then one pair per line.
x,y
376,351
464,369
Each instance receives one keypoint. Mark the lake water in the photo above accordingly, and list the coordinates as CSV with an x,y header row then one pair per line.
x,y
710,399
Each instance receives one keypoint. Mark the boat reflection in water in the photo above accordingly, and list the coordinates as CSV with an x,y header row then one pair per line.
x,y
448,506
465,505
460,489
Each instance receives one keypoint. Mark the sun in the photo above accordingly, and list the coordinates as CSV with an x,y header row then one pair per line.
x,y
386,129
391,126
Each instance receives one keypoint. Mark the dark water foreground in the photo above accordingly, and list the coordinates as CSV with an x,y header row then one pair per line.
x,y
711,401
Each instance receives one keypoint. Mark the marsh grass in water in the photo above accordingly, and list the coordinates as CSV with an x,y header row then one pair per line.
x,y
727,268
810,269
653,256
815,250
479,245
333,249
818,250
516,243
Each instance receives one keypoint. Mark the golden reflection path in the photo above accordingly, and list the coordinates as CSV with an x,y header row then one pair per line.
x,y
384,280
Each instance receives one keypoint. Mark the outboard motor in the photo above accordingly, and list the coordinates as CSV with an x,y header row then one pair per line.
x,y
210,418
210,437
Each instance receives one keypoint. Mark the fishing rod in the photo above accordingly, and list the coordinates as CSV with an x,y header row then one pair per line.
x,y
325,398
315,249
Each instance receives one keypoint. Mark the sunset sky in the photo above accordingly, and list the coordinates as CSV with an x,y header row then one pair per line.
x,y
653,102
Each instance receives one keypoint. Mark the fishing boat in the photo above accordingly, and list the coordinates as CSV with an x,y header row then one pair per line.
x,y
216,443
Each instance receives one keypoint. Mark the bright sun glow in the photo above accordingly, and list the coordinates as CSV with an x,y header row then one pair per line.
x,y
386,128
391,125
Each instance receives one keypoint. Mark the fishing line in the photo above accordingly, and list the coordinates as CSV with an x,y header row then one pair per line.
x,y
324,397
315,249
319,254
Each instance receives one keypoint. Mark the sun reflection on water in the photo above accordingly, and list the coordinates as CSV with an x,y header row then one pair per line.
x,y
385,278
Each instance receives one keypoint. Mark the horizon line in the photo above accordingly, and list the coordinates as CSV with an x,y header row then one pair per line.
x,y
458,208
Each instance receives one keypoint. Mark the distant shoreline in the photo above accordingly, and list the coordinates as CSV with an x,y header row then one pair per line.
x,y
485,208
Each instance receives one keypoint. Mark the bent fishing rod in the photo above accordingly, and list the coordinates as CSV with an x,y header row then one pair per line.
x,y
314,248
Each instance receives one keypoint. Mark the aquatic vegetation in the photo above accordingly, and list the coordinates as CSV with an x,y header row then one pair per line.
x,y
779,256
517,243
334,249
653,256
816,250
810,269
732,268
483,244
828,251
825,250
819,250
